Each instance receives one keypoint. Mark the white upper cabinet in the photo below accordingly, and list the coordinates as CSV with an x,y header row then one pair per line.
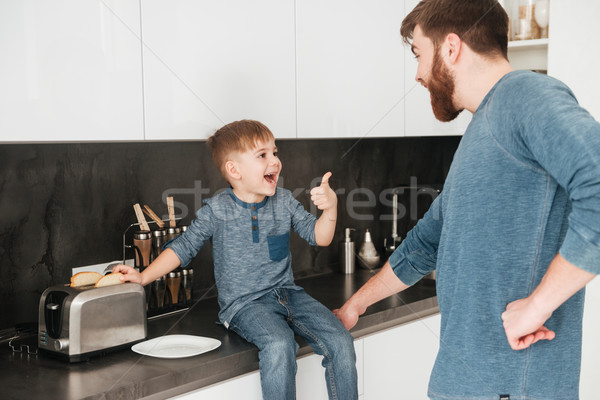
x,y
420,120
208,63
349,68
70,71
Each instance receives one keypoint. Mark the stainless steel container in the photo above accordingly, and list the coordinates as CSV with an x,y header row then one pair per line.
x,y
158,239
347,253
187,285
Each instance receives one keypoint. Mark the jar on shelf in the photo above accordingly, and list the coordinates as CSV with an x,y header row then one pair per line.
x,y
526,28
542,16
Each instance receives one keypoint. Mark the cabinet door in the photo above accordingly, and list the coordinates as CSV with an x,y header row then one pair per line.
x,y
245,387
209,63
349,68
420,120
398,362
70,71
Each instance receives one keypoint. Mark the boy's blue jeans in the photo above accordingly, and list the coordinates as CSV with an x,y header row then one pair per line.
x,y
270,323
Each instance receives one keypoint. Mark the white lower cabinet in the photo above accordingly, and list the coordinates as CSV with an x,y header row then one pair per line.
x,y
245,387
392,364
310,378
398,361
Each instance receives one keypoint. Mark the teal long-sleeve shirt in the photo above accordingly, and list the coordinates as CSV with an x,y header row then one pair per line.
x,y
524,185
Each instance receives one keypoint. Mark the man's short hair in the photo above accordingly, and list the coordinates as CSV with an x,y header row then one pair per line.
x,y
481,24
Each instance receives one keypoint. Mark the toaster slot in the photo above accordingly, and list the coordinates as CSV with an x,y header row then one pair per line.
x,y
53,309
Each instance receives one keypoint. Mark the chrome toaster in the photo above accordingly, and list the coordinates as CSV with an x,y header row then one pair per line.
x,y
76,323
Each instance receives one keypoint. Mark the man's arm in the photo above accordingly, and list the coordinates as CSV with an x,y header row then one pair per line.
x,y
385,283
564,140
325,199
524,318
412,260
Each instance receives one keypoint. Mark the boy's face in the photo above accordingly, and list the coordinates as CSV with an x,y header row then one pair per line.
x,y
258,170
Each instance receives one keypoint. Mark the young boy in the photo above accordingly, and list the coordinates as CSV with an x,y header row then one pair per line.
x,y
249,225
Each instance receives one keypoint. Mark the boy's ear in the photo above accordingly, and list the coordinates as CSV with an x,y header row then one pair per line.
x,y
232,170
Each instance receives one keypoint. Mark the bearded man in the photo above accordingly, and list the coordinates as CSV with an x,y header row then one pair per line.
x,y
515,235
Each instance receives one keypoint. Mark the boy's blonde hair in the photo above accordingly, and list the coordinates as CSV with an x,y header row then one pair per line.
x,y
237,136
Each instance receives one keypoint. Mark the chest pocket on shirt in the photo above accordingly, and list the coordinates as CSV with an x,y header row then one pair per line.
x,y
279,246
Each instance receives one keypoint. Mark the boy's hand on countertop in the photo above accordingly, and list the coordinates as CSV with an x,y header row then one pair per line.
x,y
323,196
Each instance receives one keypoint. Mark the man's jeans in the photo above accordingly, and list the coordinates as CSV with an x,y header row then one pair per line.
x,y
270,323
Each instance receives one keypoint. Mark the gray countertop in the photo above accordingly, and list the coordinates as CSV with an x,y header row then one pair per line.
x,y
126,375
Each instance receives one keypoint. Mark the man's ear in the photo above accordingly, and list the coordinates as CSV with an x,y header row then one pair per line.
x,y
452,48
232,170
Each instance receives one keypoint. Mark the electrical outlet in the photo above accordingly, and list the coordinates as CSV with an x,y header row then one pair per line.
x,y
100,268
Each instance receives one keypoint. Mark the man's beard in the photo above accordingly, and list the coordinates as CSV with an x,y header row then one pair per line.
x,y
441,90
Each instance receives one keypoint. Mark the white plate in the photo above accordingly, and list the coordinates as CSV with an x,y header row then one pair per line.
x,y
176,346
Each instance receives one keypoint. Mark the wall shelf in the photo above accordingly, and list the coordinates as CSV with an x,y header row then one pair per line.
x,y
529,54
528,44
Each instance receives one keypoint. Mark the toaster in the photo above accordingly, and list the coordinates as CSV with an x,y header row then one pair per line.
x,y
76,323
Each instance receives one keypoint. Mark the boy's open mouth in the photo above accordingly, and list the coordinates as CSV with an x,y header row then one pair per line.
x,y
271,178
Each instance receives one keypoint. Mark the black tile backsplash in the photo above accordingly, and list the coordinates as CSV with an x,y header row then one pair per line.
x,y
67,205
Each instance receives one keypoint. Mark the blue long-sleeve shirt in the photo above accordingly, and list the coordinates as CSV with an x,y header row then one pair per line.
x,y
524,185
250,242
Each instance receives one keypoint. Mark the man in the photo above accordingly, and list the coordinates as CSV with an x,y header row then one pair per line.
x,y
515,234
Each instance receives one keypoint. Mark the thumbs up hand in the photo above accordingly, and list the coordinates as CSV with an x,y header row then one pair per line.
x,y
323,196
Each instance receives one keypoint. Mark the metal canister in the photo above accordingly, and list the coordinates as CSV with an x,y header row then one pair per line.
x,y
160,287
187,279
172,233
173,285
142,246
158,239
347,253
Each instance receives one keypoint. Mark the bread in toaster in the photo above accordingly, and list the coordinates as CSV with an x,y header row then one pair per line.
x,y
110,279
85,278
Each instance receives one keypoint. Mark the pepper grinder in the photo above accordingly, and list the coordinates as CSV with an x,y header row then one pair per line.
x,y
172,233
187,276
160,287
158,239
142,246
173,283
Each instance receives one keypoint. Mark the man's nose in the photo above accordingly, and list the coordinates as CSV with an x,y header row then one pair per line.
x,y
420,79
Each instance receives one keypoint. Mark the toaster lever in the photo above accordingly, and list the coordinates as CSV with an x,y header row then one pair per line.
x,y
52,306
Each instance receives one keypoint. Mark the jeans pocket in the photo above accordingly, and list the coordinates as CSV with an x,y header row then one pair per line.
x,y
279,246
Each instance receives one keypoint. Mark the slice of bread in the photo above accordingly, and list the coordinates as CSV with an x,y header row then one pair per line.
x,y
85,278
109,280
